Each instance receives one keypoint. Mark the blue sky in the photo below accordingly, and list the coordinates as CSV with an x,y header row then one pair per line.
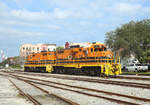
x,y
58,21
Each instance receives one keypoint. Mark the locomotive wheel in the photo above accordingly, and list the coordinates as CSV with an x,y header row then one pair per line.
x,y
62,71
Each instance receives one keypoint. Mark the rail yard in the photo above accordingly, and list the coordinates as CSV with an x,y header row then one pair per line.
x,y
74,52
76,75
60,89
93,59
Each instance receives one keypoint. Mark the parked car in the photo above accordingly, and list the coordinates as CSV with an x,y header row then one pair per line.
x,y
136,67
144,67
128,62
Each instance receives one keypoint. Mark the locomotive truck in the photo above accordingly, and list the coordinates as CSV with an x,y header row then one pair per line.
x,y
94,59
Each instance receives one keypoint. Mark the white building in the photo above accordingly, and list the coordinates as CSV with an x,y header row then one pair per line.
x,y
27,49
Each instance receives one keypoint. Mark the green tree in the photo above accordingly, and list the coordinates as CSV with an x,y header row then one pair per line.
x,y
132,37
59,48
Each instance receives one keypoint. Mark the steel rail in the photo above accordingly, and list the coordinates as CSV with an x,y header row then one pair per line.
x,y
88,94
134,78
110,93
35,102
112,82
45,91
98,96
95,90
100,91
120,77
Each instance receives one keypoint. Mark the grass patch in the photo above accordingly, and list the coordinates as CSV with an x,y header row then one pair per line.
x,y
16,67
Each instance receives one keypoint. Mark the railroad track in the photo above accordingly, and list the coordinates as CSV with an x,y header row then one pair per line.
x,y
140,74
117,77
112,82
35,102
44,82
133,78
32,99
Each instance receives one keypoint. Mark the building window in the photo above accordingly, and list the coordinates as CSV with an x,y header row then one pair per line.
x,y
23,48
37,49
33,48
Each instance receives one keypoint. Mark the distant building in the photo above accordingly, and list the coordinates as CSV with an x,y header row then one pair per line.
x,y
71,44
27,49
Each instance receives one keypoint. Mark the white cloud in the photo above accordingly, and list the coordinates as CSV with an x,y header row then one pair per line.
x,y
6,31
71,4
22,3
53,27
28,15
10,23
85,9
3,10
3,7
26,21
76,8
85,23
61,14
127,8
61,20
15,23
146,10
66,10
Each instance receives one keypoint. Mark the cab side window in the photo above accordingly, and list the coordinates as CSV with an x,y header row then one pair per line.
x,y
91,50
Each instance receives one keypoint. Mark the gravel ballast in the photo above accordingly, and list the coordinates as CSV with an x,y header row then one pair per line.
x,y
9,95
83,99
138,92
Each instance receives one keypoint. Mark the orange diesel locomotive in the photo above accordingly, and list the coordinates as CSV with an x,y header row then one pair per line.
x,y
94,59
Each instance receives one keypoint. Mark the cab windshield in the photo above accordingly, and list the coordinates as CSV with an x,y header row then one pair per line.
x,y
100,49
